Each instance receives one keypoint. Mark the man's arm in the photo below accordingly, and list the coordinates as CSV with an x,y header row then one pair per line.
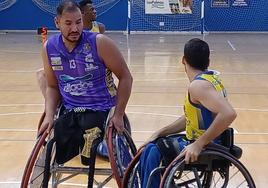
x,y
114,61
52,93
175,127
202,92
101,27
42,82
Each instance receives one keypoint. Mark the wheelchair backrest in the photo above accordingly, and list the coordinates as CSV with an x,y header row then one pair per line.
x,y
227,138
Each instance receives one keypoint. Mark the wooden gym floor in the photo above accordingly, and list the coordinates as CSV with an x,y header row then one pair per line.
x,y
157,96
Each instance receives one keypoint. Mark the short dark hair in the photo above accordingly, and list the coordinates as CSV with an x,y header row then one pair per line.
x,y
67,5
196,53
84,3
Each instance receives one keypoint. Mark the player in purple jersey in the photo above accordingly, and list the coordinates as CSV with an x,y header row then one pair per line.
x,y
78,67
70,38
89,23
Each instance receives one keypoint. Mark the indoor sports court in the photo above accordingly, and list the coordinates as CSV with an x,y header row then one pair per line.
x,y
151,40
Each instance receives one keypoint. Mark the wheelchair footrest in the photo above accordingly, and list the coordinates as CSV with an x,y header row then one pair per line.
x,y
80,170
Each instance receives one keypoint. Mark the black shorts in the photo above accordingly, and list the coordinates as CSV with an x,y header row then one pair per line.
x,y
78,132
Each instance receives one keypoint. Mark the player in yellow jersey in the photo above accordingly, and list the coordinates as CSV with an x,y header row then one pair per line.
x,y
89,14
207,113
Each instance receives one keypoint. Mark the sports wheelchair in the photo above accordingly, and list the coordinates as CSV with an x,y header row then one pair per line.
x,y
217,166
42,166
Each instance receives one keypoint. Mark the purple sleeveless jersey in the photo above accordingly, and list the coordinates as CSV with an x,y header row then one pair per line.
x,y
83,78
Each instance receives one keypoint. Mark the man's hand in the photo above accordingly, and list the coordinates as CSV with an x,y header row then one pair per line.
x,y
45,126
118,123
191,152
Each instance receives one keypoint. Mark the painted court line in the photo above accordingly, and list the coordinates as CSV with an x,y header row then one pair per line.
x,y
19,51
17,71
159,80
161,66
20,113
145,113
154,114
17,130
17,140
16,105
232,46
151,72
133,131
131,105
66,184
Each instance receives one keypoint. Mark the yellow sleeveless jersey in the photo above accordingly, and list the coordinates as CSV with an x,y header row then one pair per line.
x,y
198,118
95,27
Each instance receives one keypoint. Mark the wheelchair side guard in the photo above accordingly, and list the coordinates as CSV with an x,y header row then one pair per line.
x,y
130,168
41,121
114,153
41,140
33,157
110,114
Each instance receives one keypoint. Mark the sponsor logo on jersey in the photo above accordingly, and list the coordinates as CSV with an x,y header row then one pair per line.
x,y
55,60
89,58
57,68
67,78
76,86
90,67
86,47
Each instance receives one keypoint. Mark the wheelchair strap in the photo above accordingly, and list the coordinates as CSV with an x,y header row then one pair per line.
x,y
169,149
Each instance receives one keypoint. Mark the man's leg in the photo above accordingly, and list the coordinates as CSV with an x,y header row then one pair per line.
x,y
41,79
150,159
